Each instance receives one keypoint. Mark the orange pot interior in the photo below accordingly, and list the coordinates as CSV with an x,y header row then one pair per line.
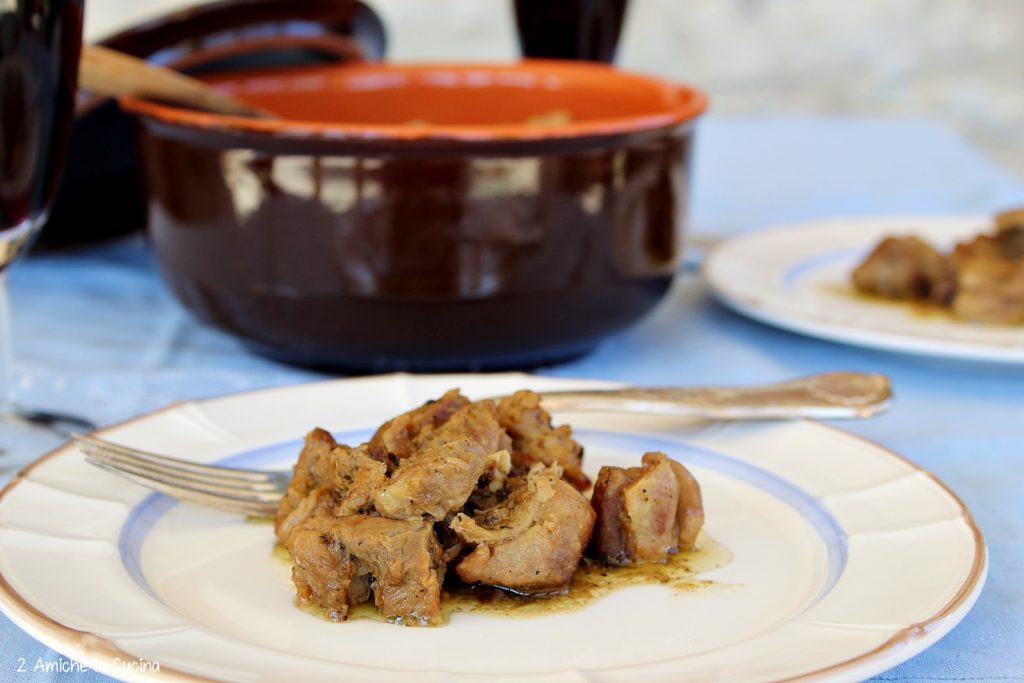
x,y
527,100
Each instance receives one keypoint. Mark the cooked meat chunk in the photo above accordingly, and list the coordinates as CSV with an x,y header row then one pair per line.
x,y
345,479
650,504
1011,242
1005,244
993,296
609,542
438,481
905,268
405,560
475,422
990,277
305,478
534,439
356,477
323,571
320,502
531,543
690,513
403,435
492,487
1008,220
982,281
645,513
440,478
481,486
339,561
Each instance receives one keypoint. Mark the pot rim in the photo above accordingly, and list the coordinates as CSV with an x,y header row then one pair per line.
x,y
683,103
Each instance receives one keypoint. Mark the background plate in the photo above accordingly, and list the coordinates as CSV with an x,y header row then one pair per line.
x,y
797,277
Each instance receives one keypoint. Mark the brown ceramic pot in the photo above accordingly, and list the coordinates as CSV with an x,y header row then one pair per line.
x,y
423,217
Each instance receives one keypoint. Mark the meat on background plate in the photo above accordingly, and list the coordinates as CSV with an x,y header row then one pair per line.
x,y
981,281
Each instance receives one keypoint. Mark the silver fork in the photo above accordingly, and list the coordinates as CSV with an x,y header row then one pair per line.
x,y
247,492
832,395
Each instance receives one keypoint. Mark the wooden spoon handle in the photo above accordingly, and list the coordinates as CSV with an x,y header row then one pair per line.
x,y
111,73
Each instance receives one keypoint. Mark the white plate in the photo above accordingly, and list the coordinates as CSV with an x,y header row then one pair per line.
x,y
797,277
847,559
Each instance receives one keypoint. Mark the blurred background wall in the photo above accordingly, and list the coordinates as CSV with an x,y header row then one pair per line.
x,y
959,61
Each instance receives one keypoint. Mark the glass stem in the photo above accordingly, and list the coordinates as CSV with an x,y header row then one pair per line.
x,y
6,349
6,376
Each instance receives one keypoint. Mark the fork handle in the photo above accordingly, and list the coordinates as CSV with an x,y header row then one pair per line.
x,y
832,395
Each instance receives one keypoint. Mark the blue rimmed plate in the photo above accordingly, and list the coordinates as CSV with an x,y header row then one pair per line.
x,y
845,558
797,277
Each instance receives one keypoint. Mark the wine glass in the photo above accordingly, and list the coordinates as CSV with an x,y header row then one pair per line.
x,y
40,44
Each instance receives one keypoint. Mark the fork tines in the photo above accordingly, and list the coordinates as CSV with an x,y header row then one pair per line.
x,y
249,492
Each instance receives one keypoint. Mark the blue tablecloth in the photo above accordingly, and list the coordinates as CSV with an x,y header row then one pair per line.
x,y
98,334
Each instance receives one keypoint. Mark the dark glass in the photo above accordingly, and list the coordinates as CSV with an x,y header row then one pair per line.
x,y
570,29
40,43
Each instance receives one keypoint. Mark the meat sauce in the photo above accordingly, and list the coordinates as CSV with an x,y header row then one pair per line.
x,y
919,308
592,581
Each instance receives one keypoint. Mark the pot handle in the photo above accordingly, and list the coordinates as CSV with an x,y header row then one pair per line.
x,y
248,53
229,33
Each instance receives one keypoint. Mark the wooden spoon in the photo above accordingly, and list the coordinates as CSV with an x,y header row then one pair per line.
x,y
112,74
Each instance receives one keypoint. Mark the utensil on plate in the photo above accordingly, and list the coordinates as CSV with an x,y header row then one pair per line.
x,y
114,74
257,492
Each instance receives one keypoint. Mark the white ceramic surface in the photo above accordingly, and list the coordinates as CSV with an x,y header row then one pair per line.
x,y
797,277
847,559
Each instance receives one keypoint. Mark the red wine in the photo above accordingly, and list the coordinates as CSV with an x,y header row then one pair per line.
x,y
40,43
570,29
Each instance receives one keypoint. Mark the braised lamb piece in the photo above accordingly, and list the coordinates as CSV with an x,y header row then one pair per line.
x,y
981,281
329,479
441,477
990,277
534,439
403,435
533,541
646,513
905,268
305,478
342,561
404,558
488,493
1012,219
325,574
